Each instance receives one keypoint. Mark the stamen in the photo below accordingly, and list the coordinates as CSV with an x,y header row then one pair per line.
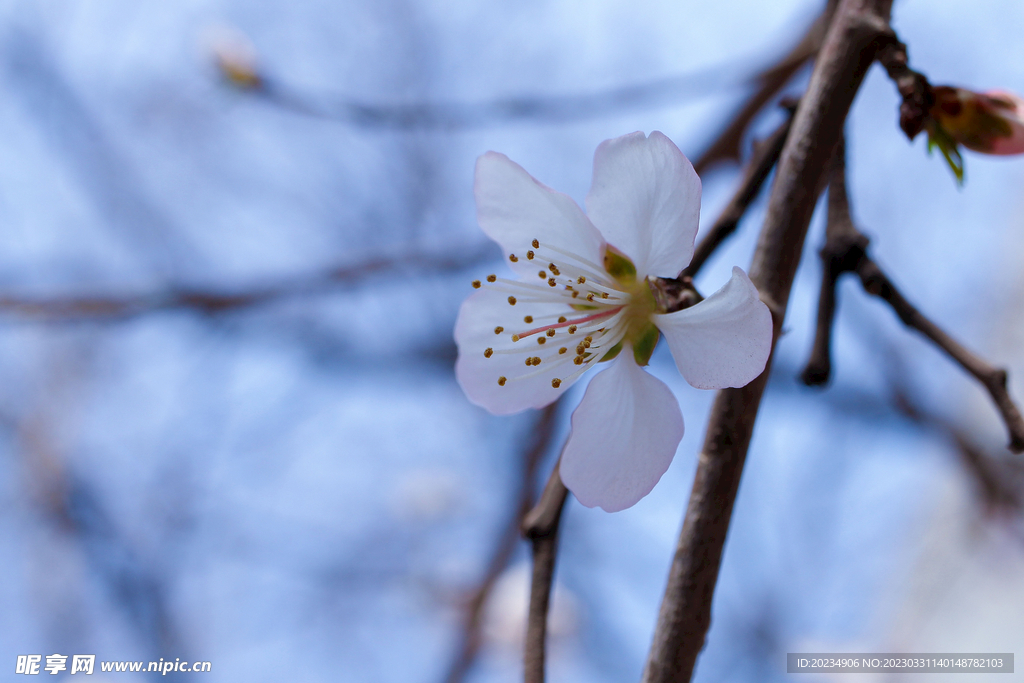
x,y
550,332
529,256
536,244
556,382
542,275
572,329
515,337
580,280
562,350
536,360
512,301
561,319
554,269
488,352
528,319
501,381
541,340
578,360
513,258
492,278
499,329
551,282
476,284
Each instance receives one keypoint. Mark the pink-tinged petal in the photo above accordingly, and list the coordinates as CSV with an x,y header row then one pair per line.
x,y
723,341
481,313
645,200
624,435
1011,110
513,209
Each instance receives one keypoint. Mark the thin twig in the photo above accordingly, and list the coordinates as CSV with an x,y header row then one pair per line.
x,y
727,144
846,251
540,526
80,308
766,154
848,50
469,647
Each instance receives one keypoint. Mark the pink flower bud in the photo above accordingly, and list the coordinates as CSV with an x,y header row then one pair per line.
x,y
990,122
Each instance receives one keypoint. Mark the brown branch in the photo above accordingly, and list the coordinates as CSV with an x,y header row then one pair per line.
x,y
540,526
80,308
473,625
727,144
846,251
849,48
766,154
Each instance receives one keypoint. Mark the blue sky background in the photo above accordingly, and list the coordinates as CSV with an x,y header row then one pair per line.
x,y
300,490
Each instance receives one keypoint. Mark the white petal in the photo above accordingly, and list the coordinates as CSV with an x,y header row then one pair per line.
x,y
624,435
479,315
723,341
513,209
645,200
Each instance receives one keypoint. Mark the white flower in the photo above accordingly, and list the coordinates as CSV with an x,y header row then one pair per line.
x,y
582,297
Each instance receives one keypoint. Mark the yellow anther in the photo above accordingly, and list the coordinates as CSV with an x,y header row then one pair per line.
x,y
550,333
604,295
529,361
554,269
572,329
536,244
501,381
492,278
562,350
575,294
476,284
536,360
488,352
551,282
590,297
515,337
513,258
580,350
556,382
499,329
588,338
542,275
586,344
561,319
529,256
578,360
512,301
541,340
528,319
581,279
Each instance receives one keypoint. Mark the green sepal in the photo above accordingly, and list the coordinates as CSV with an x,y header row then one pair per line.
x,y
939,137
612,352
643,345
618,265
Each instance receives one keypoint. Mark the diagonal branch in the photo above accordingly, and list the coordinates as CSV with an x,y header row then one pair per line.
x,y
766,154
846,251
849,48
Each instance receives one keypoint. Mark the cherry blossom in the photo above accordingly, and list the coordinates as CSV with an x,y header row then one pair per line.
x,y
581,297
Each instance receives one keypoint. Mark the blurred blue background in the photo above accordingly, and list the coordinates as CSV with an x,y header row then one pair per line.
x,y
298,490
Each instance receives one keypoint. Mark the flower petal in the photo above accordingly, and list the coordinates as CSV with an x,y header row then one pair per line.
x,y
624,435
645,200
483,312
723,341
1011,110
513,209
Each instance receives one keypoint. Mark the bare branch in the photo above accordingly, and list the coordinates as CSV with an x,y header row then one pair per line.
x,y
726,145
472,627
848,50
846,251
540,525
766,154
80,308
